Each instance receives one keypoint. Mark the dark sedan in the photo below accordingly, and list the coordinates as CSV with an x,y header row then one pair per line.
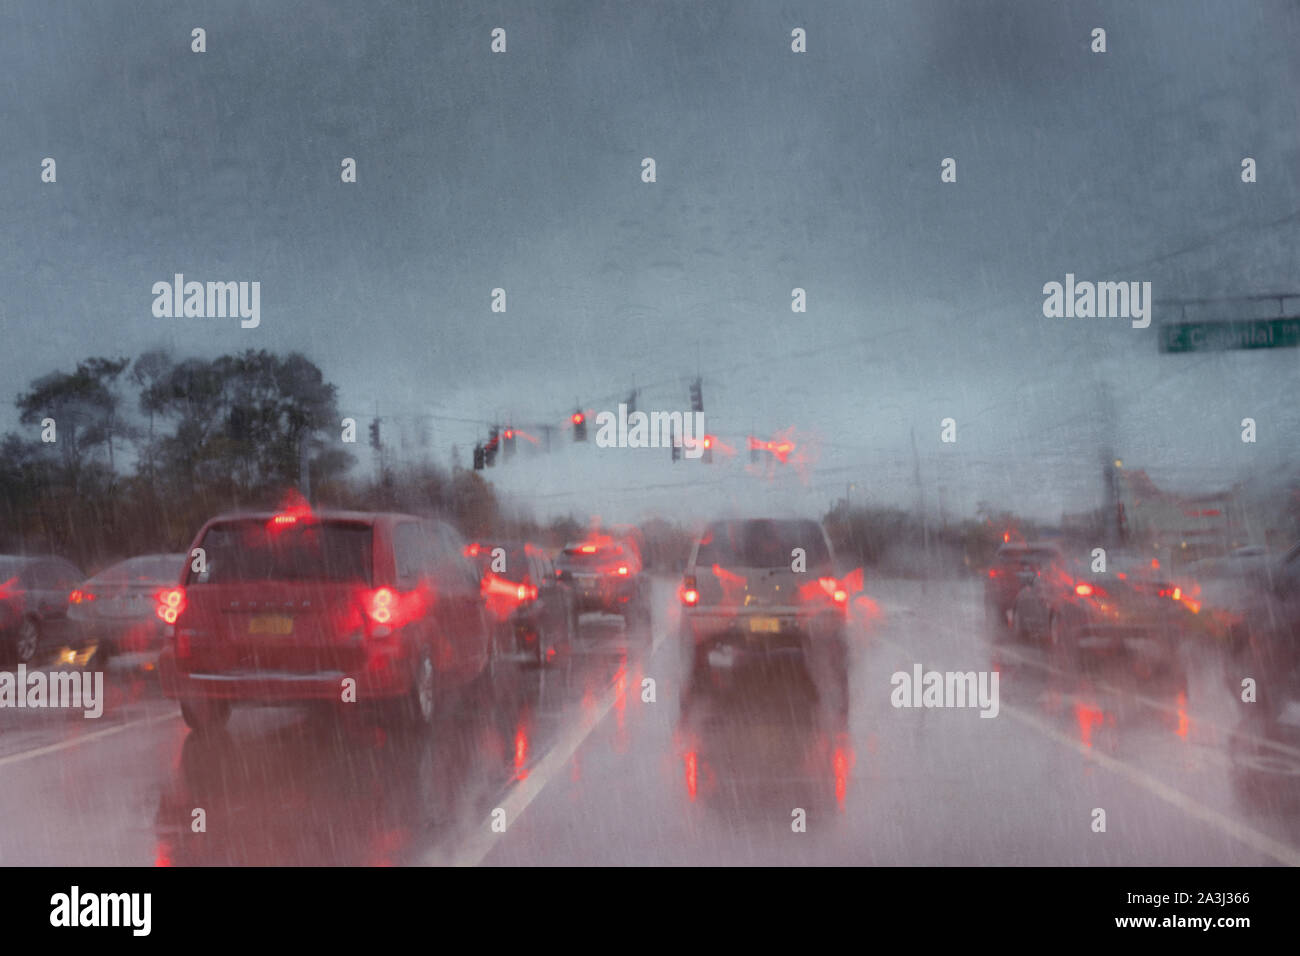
x,y
1131,608
529,607
34,596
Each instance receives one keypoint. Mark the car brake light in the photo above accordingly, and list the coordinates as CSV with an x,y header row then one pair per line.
x,y
622,570
1084,589
171,601
79,596
588,549
526,592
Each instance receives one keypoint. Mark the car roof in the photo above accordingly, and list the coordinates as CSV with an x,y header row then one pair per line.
x,y
1022,547
31,558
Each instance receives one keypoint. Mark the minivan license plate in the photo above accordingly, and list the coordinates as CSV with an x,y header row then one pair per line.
x,y
270,624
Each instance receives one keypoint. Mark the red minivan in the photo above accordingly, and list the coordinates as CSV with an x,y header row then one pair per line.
x,y
292,606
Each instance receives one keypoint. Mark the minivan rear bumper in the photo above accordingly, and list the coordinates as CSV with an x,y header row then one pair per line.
x,y
386,674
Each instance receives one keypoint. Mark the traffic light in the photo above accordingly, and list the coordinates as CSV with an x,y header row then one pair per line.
x,y
490,452
677,451
697,396
479,457
708,450
508,443
630,401
374,433
579,425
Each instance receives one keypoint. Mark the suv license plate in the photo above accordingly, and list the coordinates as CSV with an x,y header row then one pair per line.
x,y
765,625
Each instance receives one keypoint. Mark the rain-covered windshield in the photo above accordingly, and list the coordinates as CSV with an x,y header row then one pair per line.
x,y
889,411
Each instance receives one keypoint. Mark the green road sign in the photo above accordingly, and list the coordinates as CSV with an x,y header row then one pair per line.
x,y
1230,334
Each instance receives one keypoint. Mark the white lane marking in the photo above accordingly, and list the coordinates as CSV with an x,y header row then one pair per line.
x,y
1154,704
476,849
1251,837
83,738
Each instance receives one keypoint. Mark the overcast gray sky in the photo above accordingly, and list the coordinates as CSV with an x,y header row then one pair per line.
x,y
775,170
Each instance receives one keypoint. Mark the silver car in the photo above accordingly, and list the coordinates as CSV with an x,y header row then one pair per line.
x,y
115,609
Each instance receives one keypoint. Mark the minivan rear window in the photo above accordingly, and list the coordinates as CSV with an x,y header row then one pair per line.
x,y
762,544
253,550
576,557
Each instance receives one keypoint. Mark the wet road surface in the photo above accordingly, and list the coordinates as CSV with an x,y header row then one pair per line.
x,y
573,764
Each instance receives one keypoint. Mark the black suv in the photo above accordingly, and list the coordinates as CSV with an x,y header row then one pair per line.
x,y
607,575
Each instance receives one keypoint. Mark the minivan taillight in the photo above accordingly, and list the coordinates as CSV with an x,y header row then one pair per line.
x,y
380,605
170,603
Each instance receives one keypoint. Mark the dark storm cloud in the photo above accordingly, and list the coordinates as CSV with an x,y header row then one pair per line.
x,y
775,170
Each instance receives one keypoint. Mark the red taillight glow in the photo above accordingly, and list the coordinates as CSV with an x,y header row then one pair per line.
x,y
380,605
526,592
588,549
81,597
622,570
1084,589
171,601
834,590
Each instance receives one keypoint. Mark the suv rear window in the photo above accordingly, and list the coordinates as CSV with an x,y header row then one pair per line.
x,y
250,550
762,544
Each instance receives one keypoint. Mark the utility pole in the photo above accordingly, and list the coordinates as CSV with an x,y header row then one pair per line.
x,y
925,521
304,467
